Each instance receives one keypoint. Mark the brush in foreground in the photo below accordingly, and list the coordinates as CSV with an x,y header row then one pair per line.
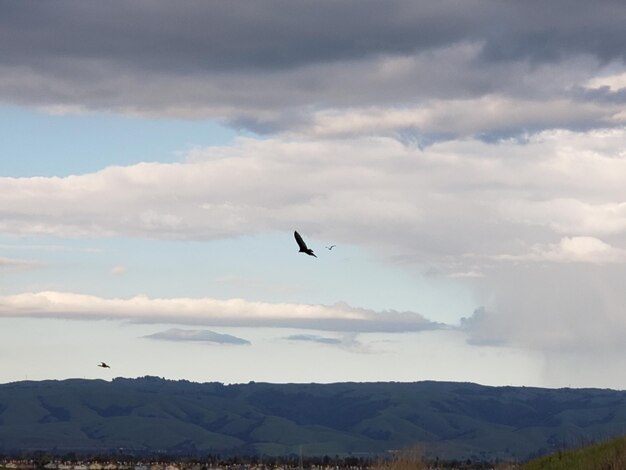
x,y
608,455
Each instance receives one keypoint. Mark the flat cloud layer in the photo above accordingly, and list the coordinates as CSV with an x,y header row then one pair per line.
x,y
315,339
348,342
12,263
268,66
202,336
211,312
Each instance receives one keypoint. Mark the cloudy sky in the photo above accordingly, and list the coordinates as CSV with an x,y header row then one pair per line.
x,y
466,158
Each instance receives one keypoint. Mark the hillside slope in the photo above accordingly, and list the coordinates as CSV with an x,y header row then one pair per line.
x,y
608,455
455,420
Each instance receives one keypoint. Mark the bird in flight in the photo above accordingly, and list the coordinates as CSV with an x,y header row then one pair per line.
x,y
330,247
104,365
302,245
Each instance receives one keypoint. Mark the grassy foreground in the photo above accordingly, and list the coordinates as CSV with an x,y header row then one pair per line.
x,y
410,459
608,455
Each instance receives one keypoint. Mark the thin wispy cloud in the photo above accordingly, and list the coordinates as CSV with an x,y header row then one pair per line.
x,y
119,270
314,339
201,336
348,341
13,263
50,248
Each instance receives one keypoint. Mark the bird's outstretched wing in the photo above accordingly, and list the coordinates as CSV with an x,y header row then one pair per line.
x,y
300,241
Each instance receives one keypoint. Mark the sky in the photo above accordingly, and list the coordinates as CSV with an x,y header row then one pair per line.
x,y
466,158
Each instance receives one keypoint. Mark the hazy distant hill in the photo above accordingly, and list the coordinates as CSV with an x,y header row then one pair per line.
x,y
452,420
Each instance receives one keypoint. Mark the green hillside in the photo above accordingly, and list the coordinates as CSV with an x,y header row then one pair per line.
x,y
449,420
608,455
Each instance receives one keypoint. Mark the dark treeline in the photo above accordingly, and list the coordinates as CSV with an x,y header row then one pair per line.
x,y
39,460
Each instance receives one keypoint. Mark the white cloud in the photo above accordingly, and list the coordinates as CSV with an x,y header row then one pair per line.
x,y
614,82
453,205
499,115
367,190
572,250
211,312
568,215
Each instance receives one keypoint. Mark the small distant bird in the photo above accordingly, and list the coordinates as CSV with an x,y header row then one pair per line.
x,y
104,365
302,245
330,247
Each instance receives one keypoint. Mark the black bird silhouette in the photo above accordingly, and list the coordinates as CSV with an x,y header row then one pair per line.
x,y
330,247
104,365
302,245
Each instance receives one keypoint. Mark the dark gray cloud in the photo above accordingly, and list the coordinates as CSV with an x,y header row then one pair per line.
x,y
216,35
266,65
602,94
203,336
549,31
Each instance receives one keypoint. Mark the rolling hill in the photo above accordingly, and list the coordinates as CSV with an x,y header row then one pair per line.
x,y
451,420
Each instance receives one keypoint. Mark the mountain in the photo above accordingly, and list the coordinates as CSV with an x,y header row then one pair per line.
x,y
450,420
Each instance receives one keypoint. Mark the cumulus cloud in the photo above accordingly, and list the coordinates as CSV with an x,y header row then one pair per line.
x,y
203,336
573,250
212,312
567,215
446,205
